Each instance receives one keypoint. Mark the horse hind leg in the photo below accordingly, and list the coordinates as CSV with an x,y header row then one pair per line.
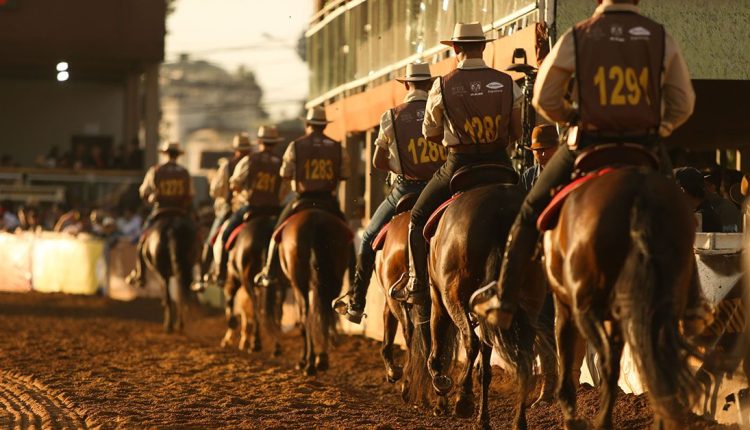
x,y
610,371
571,348
442,384
464,407
393,372
483,418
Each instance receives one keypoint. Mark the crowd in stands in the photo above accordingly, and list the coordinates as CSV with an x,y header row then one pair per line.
x,y
94,156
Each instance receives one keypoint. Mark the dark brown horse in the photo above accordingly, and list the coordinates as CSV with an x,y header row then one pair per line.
x,y
620,262
255,304
314,250
170,250
465,254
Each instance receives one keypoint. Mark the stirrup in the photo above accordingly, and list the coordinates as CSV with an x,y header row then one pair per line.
x,y
134,280
408,295
263,280
198,286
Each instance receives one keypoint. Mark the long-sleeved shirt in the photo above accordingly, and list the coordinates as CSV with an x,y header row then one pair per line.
x,y
678,97
288,164
147,189
386,139
218,188
435,123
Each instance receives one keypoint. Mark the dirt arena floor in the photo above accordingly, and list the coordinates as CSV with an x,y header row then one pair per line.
x,y
77,362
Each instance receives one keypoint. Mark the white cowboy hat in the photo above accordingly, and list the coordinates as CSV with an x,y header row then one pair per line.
x,y
416,72
467,33
316,116
241,141
269,134
171,147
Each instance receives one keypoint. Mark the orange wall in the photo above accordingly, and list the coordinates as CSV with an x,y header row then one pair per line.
x,y
362,111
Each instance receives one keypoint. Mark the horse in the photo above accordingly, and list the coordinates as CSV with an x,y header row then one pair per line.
x,y
620,262
314,250
465,254
246,259
170,250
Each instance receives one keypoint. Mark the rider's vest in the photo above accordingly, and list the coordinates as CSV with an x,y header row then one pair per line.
x,y
263,180
419,157
619,61
478,103
172,183
317,163
230,169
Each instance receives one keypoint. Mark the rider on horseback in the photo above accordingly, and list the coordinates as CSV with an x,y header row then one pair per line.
x,y
315,164
256,183
632,86
476,112
169,188
398,147
223,202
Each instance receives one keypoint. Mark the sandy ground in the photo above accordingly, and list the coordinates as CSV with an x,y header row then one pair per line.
x,y
76,361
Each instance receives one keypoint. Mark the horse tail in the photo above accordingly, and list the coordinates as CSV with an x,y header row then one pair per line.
x,y
644,299
178,234
323,284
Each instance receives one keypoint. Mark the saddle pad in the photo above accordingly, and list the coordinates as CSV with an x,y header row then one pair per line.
x,y
233,237
377,244
280,229
548,219
431,227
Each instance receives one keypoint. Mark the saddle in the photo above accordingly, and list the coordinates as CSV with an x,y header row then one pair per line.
x,y
467,178
592,163
251,214
162,212
304,204
405,203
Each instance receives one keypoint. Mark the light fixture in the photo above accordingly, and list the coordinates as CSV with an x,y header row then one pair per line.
x,y
62,66
63,76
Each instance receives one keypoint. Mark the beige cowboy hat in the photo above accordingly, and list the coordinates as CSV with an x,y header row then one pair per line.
x,y
416,72
241,141
269,134
467,33
316,116
171,147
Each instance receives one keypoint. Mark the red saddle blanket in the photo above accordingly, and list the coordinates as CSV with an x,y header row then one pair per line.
x,y
548,219
280,229
233,236
432,223
377,244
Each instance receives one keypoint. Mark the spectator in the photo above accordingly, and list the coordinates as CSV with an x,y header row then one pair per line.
x,y
544,142
29,220
8,220
53,157
135,156
129,225
691,182
97,159
729,214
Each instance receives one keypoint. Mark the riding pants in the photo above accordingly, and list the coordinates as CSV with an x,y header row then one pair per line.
x,y
435,193
382,216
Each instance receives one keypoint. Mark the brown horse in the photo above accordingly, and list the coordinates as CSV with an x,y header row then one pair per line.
x,y
170,250
465,254
314,250
245,261
620,262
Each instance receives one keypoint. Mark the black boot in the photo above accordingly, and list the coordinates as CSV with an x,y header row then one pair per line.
x,y
207,258
415,291
135,278
221,278
519,250
267,276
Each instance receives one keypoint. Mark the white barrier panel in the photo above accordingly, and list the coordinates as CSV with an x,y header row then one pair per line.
x,y
15,262
65,264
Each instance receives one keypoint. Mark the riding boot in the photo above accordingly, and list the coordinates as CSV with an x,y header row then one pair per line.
x,y
207,258
135,278
416,291
267,276
519,250
221,278
355,309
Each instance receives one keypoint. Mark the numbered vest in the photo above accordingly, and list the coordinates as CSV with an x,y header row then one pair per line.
x,y
172,185
419,157
478,104
263,180
317,164
619,60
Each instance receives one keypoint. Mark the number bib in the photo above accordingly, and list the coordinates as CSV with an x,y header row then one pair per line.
x,y
318,164
619,58
419,158
263,180
478,104
172,185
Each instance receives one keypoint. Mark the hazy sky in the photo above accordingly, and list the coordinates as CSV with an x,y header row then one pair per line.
x,y
206,28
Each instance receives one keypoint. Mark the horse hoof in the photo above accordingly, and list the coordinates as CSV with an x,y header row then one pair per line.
x,y
442,384
543,401
482,425
232,322
321,363
464,407
405,391
310,371
300,365
257,347
277,351
168,329
393,374
577,424
439,410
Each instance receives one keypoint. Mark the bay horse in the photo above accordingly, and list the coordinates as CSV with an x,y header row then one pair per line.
x,y
314,250
255,304
170,250
465,254
619,262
